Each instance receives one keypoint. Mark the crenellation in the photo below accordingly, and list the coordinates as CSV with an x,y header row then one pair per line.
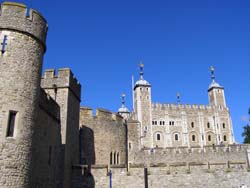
x,y
14,17
63,79
49,73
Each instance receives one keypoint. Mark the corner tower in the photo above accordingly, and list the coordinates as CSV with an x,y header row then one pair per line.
x,y
22,43
216,92
142,108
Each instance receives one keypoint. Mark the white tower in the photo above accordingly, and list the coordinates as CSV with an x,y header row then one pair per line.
x,y
216,92
142,109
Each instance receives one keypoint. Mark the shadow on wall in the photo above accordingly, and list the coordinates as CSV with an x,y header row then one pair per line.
x,y
87,146
88,178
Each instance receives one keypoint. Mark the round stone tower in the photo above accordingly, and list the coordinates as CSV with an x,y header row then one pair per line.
x,y
22,46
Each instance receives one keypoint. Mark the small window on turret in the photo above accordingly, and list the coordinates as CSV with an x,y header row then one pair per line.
x,y
11,124
208,125
224,125
192,124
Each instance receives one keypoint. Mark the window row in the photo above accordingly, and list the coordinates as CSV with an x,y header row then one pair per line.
x,y
114,158
162,122
193,137
192,124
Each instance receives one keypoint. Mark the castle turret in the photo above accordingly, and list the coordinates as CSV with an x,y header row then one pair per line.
x,y
216,92
22,43
142,108
124,111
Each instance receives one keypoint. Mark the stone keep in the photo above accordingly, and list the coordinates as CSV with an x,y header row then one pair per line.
x,y
22,36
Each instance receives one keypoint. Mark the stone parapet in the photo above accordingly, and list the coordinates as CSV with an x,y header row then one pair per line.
x,y
63,79
16,16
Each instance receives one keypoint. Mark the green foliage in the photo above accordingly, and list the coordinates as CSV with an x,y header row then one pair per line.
x,y
246,134
246,131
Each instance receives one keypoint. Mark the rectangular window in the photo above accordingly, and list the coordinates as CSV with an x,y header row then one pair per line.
x,y
11,124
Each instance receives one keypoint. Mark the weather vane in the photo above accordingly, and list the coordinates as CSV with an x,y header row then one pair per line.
x,y
141,70
178,98
212,69
123,98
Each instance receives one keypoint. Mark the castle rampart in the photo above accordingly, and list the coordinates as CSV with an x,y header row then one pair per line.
x,y
16,17
103,137
63,79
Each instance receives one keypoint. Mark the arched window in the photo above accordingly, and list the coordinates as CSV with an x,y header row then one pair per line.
x,y
193,138
208,125
192,124
114,157
176,137
158,136
160,122
223,125
209,138
111,156
225,138
118,161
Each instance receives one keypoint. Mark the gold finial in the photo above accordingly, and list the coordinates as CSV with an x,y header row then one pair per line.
x,y
141,65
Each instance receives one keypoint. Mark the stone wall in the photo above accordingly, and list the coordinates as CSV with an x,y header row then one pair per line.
x,y
194,154
229,171
47,145
21,61
102,136
64,88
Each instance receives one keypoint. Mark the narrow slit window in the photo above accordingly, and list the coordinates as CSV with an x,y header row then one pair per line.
x,y
118,161
11,124
111,156
4,43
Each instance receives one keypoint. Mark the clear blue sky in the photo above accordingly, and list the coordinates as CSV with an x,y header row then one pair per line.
x,y
104,41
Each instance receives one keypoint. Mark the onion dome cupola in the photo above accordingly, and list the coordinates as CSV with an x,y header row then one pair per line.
x,y
141,81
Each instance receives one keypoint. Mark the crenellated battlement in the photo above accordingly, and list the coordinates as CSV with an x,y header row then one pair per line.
x,y
101,114
16,16
63,79
166,106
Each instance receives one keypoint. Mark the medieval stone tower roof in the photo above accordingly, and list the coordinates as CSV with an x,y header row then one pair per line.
x,y
123,108
141,81
213,84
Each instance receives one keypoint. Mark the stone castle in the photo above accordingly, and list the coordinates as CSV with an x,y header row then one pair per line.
x,y
48,141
